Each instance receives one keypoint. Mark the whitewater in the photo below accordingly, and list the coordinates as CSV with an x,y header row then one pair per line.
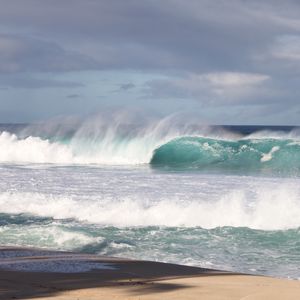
x,y
162,190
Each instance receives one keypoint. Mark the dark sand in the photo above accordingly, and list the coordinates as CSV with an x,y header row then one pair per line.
x,y
130,279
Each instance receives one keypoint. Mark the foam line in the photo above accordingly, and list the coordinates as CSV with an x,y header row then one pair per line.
x,y
269,208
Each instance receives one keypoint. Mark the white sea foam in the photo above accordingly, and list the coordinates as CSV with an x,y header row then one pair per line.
x,y
268,156
267,208
98,140
47,236
32,150
136,150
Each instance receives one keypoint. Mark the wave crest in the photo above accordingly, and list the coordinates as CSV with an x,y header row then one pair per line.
x,y
165,142
96,141
245,154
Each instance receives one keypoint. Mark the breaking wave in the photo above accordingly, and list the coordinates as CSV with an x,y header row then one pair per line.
x,y
246,154
95,141
191,152
164,143
268,209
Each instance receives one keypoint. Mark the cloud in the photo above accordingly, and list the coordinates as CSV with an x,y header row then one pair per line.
x,y
199,36
26,81
209,88
164,36
217,54
25,54
287,47
233,79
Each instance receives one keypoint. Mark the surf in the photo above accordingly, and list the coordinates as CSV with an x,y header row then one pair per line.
x,y
267,154
118,140
162,143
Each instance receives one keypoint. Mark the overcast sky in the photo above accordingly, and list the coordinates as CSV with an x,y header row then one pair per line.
x,y
228,62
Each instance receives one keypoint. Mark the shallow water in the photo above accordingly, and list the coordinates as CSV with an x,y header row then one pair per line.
x,y
239,223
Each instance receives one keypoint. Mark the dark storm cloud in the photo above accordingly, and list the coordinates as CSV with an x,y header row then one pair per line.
x,y
23,54
25,81
186,35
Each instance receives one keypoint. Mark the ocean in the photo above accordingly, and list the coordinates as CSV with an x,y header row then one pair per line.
x,y
223,197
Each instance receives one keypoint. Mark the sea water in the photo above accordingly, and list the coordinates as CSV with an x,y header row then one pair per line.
x,y
217,197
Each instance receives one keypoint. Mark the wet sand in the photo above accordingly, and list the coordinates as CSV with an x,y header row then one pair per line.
x,y
126,279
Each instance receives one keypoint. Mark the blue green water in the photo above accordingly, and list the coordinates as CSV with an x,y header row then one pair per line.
x,y
266,155
226,200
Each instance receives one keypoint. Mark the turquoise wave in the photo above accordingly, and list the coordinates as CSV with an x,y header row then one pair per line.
x,y
246,154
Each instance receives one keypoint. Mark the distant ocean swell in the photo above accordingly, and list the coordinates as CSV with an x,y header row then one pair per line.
x,y
280,154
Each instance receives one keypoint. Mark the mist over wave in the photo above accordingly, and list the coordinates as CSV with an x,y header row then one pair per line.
x,y
120,139
115,139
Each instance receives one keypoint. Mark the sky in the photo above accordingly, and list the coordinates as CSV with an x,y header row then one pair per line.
x,y
225,62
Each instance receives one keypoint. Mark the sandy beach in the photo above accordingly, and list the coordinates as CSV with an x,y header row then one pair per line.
x,y
32,274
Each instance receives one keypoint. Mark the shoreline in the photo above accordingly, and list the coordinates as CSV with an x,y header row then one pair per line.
x,y
29,273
